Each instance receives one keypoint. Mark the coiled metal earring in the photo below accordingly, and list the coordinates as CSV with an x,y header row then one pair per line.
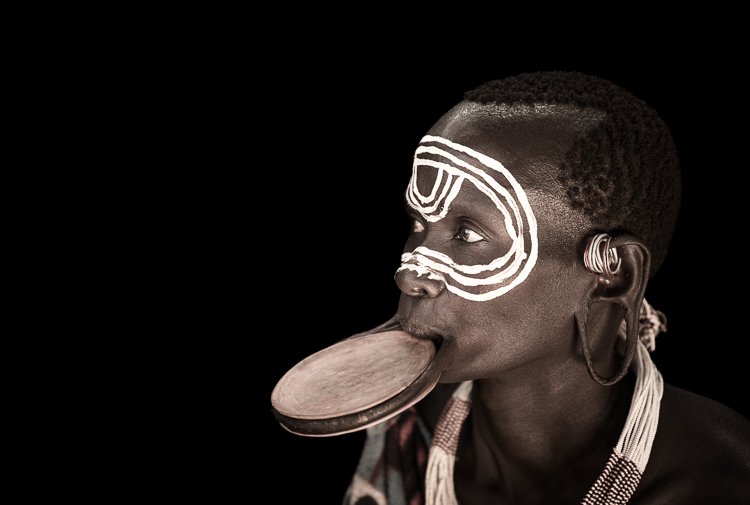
x,y
600,258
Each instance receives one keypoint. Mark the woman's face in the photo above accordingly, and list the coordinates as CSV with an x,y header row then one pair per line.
x,y
509,213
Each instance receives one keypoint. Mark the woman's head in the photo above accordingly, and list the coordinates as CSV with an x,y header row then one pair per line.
x,y
621,169
506,189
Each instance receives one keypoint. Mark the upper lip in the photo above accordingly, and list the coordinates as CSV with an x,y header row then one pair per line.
x,y
421,330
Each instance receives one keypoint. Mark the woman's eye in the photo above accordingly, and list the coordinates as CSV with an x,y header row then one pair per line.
x,y
417,227
467,235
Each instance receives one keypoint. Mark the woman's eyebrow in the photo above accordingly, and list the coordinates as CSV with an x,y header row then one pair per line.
x,y
490,219
458,207
483,215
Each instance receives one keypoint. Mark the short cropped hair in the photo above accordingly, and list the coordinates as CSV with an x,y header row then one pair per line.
x,y
623,172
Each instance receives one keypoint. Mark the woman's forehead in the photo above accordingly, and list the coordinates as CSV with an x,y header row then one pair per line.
x,y
530,146
530,141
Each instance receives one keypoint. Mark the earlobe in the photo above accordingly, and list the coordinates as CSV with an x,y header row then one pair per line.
x,y
623,265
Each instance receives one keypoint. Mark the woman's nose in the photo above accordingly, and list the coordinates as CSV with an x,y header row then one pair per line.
x,y
413,284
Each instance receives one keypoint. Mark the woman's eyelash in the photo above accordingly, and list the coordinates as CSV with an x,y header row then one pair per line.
x,y
464,234
468,235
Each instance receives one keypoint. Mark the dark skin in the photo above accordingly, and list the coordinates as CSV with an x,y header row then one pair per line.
x,y
541,429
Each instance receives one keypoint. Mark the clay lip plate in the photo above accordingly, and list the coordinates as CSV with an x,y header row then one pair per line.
x,y
352,375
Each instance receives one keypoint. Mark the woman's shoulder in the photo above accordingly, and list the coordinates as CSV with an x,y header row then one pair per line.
x,y
701,453
702,425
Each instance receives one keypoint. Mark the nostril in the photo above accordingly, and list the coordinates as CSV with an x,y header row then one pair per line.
x,y
417,291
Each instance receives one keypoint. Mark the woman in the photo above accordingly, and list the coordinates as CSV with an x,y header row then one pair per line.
x,y
542,204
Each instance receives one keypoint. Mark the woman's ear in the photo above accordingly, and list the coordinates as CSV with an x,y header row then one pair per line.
x,y
623,265
627,286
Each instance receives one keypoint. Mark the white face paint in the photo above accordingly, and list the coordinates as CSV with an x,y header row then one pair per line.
x,y
472,282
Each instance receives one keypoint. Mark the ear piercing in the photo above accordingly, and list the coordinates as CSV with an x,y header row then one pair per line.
x,y
600,258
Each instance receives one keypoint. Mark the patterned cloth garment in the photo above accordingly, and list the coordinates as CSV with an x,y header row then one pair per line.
x,y
392,468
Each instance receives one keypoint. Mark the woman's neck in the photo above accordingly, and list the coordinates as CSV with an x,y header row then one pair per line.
x,y
544,431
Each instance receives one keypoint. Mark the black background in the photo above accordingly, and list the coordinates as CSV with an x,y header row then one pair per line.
x,y
341,131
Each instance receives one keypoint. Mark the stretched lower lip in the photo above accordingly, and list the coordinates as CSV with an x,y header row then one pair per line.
x,y
438,339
